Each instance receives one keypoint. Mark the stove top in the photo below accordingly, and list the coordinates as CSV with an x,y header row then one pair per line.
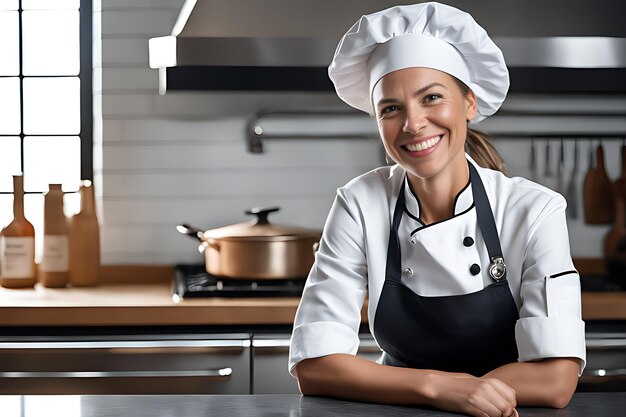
x,y
192,281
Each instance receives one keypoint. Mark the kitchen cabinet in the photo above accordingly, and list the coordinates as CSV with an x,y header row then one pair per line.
x,y
126,364
133,362
270,358
209,360
606,357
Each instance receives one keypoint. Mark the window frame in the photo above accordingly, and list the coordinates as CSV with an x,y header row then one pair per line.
x,y
86,89
85,76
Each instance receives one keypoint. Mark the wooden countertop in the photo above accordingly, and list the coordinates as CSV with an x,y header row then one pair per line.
x,y
142,296
135,304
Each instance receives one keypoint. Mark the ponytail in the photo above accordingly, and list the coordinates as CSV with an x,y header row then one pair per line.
x,y
478,145
480,148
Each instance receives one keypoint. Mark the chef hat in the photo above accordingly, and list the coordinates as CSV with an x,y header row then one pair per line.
x,y
431,35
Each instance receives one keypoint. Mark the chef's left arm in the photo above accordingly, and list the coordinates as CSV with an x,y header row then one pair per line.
x,y
550,333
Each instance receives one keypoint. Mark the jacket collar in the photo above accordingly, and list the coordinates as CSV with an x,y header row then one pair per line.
x,y
463,200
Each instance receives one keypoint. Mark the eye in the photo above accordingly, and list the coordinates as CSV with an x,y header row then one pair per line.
x,y
389,109
432,97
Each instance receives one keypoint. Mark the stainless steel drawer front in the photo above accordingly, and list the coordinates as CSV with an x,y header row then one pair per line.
x,y
176,364
606,362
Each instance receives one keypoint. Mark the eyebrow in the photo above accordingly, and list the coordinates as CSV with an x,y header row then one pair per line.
x,y
417,93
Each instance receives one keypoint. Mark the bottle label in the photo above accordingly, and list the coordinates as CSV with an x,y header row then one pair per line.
x,y
17,256
55,257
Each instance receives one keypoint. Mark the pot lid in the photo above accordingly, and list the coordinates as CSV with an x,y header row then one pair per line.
x,y
261,229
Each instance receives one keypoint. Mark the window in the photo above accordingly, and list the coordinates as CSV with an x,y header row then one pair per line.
x,y
45,101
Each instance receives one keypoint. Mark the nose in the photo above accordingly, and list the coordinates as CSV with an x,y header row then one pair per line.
x,y
415,121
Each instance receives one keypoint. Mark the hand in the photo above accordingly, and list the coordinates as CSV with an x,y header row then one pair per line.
x,y
479,397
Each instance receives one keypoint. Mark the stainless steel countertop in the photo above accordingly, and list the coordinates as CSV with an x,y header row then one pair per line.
x,y
583,404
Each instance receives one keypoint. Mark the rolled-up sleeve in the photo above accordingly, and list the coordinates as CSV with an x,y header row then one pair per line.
x,y
550,323
329,314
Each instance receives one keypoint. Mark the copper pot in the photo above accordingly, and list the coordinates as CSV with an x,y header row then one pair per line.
x,y
257,249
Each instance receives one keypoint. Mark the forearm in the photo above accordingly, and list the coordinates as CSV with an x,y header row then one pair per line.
x,y
354,378
547,383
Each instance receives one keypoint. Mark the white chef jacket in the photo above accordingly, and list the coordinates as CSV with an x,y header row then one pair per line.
x,y
351,262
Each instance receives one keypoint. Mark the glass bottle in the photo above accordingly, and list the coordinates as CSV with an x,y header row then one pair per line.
x,y
54,266
17,244
85,241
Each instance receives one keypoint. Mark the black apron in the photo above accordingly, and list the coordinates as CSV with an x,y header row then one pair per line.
x,y
472,333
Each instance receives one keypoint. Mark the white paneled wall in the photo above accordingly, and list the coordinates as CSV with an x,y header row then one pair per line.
x,y
182,157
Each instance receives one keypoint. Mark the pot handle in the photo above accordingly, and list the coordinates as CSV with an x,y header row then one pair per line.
x,y
191,231
211,243
262,213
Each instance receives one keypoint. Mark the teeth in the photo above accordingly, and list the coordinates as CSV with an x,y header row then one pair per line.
x,y
424,145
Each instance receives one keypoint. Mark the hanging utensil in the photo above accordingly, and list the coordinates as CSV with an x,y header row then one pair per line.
x,y
598,193
615,240
618,231
560,186
548,167
621,181
533,160
571,193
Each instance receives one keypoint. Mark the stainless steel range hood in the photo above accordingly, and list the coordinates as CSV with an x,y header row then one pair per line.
x,y
276,45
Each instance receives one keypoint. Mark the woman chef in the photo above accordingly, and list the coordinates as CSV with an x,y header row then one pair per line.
x,y
473,296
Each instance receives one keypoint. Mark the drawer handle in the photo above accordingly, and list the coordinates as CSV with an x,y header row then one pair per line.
x,y
124,344
605,372
215,373
270,343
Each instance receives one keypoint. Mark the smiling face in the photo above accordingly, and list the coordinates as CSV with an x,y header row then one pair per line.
x,y
422,117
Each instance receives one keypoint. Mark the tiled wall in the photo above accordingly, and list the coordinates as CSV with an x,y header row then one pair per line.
x,y
182,157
